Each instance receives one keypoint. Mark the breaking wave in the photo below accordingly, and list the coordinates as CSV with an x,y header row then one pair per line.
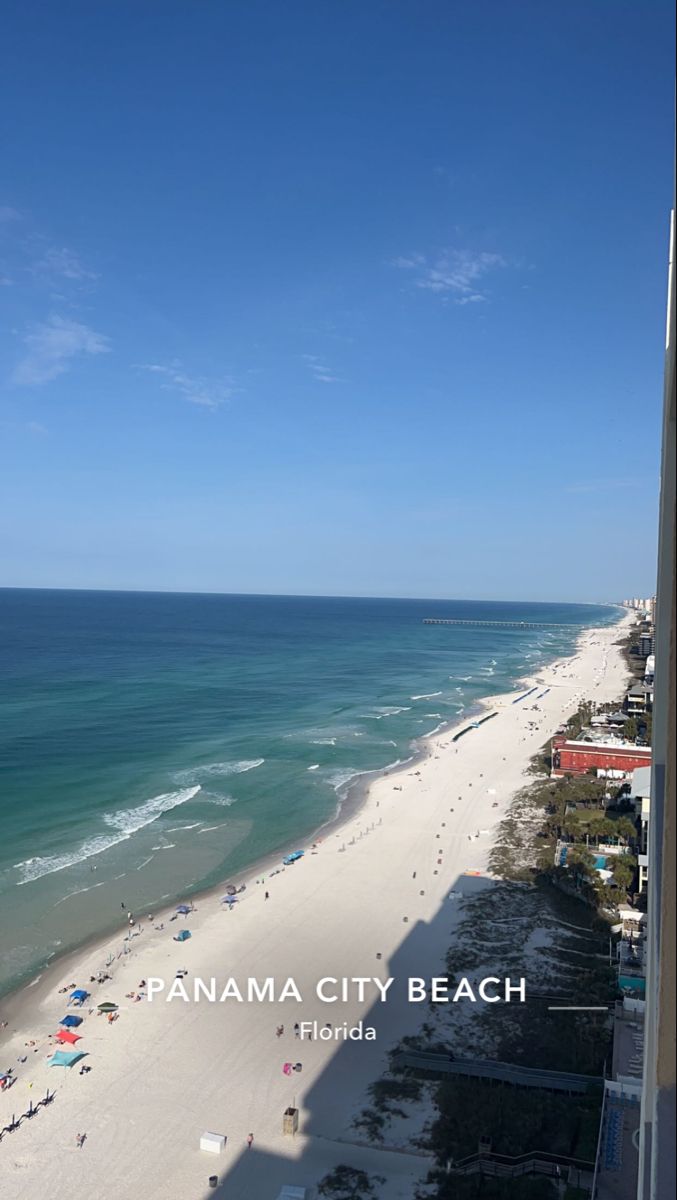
x,y
126,822
217,770
386,710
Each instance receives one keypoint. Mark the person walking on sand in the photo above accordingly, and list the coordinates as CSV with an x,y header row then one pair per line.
x,y
267,895
250,1140
80,1140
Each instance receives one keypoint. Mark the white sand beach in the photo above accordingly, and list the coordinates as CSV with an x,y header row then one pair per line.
x,y
371,899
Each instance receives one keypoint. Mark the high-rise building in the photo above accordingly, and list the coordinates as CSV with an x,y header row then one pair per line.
x,y
657,1131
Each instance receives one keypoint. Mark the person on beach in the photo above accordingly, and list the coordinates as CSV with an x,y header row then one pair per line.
x,y
250,1140
297,1030
80,1140
267,895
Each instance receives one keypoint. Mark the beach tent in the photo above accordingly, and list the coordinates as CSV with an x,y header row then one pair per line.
x,y
107,1006
65,1035
183,908
79,994
71,1020
65,1058
292,858
182,936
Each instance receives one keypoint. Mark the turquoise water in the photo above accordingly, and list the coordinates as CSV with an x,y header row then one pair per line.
x,y
151,744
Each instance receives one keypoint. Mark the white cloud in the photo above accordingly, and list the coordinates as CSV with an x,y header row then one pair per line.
x,y
457,273
52,346
196,389
319,371
62,263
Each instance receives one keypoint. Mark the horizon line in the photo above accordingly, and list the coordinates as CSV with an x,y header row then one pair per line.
x,y
131,591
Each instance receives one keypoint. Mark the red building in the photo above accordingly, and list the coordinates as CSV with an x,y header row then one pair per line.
x,y
577,758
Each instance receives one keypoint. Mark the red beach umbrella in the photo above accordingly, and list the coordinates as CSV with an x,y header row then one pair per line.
x,y
65,1035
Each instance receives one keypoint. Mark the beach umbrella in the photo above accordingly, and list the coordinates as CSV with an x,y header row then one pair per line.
x,y
71,1020
183,935
231,890
183,908
65,1058
65,1035
107,1006
79,994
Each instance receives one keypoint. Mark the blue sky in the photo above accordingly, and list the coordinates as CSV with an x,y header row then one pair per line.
x,y
334,297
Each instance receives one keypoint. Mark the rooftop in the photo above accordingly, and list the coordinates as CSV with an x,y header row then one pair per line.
x,y
641,782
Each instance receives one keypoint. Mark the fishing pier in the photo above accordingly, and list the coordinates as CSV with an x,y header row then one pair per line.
x,y
496,624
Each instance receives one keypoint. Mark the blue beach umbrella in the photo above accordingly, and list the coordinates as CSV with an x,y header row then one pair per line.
x,y
65,1058
183,908
71,1020
182,936
79,994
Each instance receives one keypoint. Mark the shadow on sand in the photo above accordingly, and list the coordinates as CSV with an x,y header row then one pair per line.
x,y
324,1140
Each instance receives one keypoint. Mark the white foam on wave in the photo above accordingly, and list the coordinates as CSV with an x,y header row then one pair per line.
x,y
323,741
426,696
386,710
314,767
127,822
219,801
399,762
340,777
437,728
78,892
217,770
131,820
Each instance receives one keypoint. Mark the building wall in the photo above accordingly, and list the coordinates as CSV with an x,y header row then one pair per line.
x,y
575,758
657,1149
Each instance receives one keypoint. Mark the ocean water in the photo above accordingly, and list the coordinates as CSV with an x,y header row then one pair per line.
x,y
153,744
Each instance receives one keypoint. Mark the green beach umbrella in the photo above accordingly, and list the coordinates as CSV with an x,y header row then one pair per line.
x,y
107,1006
65,1058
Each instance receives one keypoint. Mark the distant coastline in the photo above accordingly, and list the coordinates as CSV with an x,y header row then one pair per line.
x,y
349,797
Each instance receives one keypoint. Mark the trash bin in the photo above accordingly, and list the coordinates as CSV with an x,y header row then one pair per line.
x,y
290,1121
